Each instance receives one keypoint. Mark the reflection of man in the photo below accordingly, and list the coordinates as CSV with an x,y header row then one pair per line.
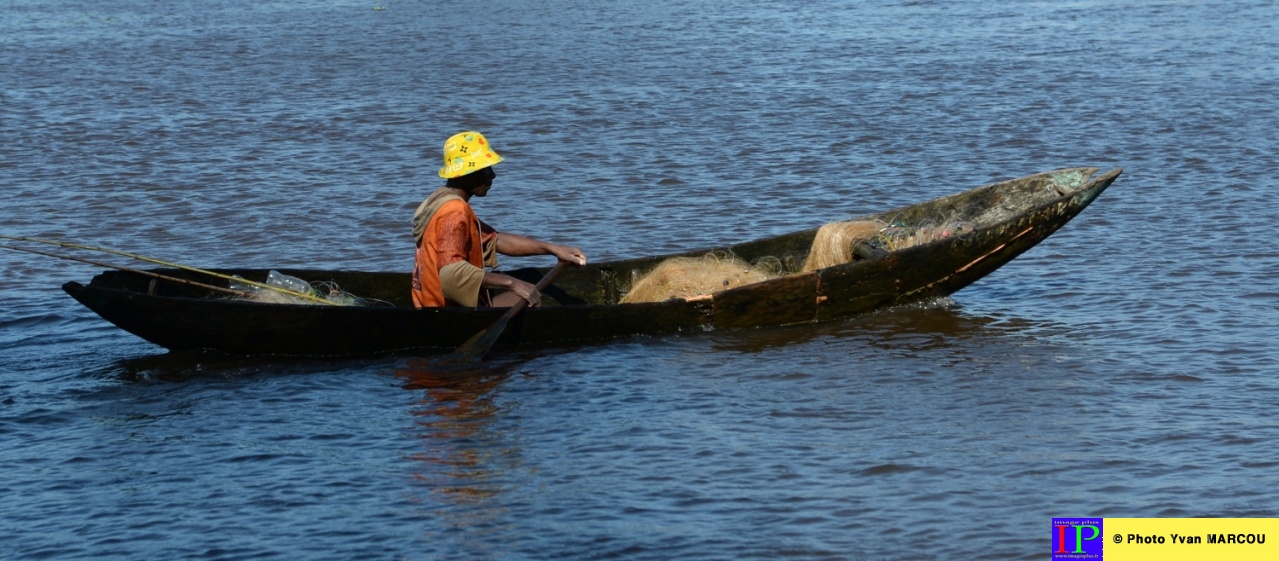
x,y
454,410
454,246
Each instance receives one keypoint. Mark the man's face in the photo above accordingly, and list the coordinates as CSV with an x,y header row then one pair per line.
x,y
483,188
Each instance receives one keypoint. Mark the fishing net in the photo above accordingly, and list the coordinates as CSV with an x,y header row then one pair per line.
x,y
898,236
837,243
324,290
690,277
328,291
834,242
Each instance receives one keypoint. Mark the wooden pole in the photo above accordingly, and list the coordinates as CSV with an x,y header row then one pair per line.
x,y
71,245
130,270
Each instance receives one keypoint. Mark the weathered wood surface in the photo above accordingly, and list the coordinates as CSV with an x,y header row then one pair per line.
x,y
581,305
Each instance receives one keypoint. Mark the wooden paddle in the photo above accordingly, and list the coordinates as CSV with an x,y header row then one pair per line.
x,y
479,344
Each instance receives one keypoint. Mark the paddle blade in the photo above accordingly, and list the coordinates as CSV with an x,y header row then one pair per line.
x,y
479,344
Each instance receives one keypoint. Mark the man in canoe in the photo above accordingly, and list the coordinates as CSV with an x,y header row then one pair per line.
x,y
454,246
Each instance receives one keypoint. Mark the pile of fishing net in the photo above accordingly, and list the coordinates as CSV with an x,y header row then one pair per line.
x,y
836,243
691,277
284,289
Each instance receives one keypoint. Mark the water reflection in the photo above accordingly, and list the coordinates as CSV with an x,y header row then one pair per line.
x,y
462,458
936,320
187,365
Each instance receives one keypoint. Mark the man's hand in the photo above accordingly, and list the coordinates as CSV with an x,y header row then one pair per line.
x,y
527,291
569,254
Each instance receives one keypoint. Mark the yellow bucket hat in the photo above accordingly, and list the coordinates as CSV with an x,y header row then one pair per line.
x,y
466,152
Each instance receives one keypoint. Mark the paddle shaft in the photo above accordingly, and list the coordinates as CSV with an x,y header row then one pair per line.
x,y
128,270
480,343
310,297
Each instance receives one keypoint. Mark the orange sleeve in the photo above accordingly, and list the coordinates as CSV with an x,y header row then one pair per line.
x,y
454,241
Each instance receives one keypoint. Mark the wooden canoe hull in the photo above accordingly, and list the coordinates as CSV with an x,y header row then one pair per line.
x,y
581,306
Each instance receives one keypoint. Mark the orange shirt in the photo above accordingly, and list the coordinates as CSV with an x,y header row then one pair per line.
x,y
453,234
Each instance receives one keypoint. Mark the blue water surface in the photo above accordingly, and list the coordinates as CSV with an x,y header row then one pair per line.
x,y
1123,368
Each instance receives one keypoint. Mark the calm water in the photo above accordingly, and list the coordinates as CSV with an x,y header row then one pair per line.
x,y
1125,367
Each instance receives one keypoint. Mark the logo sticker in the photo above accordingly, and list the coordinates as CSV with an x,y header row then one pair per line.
x,y
1077,538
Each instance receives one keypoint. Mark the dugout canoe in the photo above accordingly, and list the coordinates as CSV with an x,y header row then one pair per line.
x,y
581,306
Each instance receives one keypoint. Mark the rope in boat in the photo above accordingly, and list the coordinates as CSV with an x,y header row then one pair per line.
x,y
71,245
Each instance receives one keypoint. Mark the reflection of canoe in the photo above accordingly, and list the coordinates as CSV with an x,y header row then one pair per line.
x,y
1009,218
